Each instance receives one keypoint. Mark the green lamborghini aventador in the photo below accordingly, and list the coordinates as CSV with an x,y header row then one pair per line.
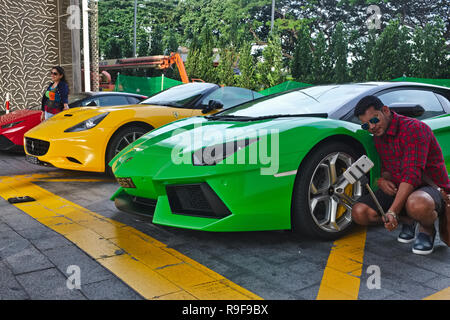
x,y
270,164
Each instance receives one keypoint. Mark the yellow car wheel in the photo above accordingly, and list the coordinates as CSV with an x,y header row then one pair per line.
x,y
122,138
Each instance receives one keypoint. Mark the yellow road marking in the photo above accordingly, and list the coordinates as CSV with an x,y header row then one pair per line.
x,y
76,180
341,277
441,295
144,263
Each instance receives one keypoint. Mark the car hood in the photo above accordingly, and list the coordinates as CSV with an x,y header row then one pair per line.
x,y
72,117
189,135
64,120
18,115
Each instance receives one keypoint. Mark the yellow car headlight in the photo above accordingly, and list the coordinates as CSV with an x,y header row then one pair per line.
x,y
87,124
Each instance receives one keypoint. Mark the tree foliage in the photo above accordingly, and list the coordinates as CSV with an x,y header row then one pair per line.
x,y
270,69
339,54
302,63
317,41
247,62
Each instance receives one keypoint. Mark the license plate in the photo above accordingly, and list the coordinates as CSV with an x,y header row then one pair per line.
x,y
33,160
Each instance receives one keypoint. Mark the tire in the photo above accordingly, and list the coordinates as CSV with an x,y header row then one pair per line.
x,y
314,199
121,138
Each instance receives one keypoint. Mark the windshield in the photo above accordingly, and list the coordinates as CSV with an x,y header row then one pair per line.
x,y
319,99
179,95
77,96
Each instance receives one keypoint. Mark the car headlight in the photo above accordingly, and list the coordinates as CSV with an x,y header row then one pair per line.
x,y
12,124
87,124
210,156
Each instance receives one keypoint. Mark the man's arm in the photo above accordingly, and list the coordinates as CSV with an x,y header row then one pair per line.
x,y
414,162
385,183
386,175
404,190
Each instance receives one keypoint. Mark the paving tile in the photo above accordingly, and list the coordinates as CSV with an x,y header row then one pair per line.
x,y
111,289
439,283
48,284
399,297
91,270
10,289
51,242
28,260
4,227
403,270
374,294
7,209
20,221
36,232
11,243
437,262
309,293
404,287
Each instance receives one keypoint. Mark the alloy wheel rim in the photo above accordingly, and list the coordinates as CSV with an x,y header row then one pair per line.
x,y
324,202
126,140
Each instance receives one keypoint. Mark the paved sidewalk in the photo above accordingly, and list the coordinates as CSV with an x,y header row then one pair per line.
x,y
34,263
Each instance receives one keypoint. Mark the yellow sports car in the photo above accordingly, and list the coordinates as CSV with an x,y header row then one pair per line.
x,y
88,138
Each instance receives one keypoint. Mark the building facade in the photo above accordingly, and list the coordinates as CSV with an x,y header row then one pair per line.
x,y
34,37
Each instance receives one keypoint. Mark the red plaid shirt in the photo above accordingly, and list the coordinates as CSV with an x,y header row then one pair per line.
x,y
409,148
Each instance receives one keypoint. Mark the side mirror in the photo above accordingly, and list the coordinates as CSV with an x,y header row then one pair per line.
x,y
92,104
212,105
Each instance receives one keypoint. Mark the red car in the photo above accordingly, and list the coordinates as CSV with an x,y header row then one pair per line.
x,y
15,124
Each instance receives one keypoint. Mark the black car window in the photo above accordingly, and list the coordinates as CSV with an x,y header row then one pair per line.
x,y
181,95
76,99
113,100
424,98
91,102
444,101
229,96
409,97
133,100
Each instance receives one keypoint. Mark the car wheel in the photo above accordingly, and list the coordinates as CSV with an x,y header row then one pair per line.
x,y
120,140
319,210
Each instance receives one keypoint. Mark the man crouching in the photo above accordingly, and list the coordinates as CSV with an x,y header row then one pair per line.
x,y
408,151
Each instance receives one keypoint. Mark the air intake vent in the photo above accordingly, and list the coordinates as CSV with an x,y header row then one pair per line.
x,y
73,160
196,200
36,147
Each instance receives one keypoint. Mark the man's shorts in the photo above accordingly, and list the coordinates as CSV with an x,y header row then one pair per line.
x,y
386,200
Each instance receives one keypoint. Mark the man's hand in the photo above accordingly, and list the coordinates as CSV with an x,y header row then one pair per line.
x,y
390,222
387,186
42,116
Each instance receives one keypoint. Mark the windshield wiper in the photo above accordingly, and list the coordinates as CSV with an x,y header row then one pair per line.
x,y
272,116
166,104
229,117
308,95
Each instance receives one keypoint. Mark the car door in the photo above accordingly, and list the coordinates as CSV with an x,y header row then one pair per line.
x,y
435,115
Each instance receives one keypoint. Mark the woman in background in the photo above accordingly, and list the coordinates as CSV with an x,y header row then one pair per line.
x,y
56,97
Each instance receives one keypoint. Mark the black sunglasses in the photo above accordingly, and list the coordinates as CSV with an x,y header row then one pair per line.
x,y
54,73
366,126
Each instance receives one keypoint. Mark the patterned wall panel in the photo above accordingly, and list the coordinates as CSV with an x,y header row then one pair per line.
x,y
29,47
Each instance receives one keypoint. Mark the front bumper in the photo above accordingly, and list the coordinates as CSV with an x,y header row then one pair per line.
x,y
243,200
83,151
7,145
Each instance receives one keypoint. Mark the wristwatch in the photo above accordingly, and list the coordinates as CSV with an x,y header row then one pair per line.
x,y
393,214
